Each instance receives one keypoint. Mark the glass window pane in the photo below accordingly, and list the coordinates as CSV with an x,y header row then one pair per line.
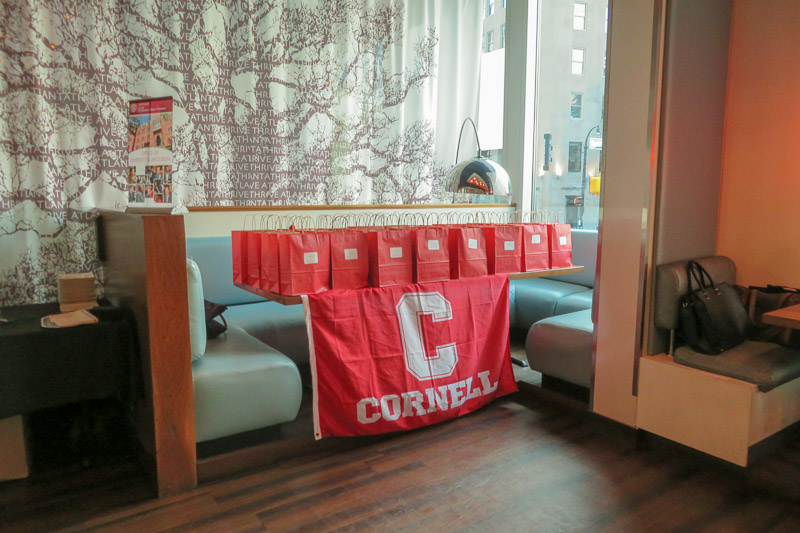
x,y
574,157
569,142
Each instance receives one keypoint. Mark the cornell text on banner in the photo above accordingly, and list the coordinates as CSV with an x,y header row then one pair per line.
x,y
397,358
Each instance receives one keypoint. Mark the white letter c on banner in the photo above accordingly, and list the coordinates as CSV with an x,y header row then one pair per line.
x,y
410,309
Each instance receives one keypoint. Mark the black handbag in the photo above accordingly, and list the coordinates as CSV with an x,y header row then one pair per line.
x,y
213,328
712,316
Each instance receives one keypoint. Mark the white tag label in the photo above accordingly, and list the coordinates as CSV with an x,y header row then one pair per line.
x,y
472,243
536,239
508,245
562,240
433,244
350,254
310,258
395,252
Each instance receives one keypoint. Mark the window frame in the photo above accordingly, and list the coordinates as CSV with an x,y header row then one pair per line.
x,y
582,61
576,17
579,162
572,105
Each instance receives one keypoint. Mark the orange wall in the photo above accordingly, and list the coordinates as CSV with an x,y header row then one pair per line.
x,y
759,221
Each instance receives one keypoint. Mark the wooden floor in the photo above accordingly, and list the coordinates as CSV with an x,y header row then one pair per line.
x,y
520,464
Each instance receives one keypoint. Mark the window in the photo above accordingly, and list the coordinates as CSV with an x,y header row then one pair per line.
x,y
504,4
503,36
577,61
489,7
576,105
574,156
606,19
489,40
579,16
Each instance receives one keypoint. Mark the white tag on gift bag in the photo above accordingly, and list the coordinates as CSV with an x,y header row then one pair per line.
x,y
433,244
310,258
536,239
562,240
472,243
508,245
350,254
395,252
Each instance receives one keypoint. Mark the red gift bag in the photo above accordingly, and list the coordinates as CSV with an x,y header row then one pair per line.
x,y
432,253
390,257
273,281
467,252
253,274
239,253
305,262
349,260
560,237
503,248
535,247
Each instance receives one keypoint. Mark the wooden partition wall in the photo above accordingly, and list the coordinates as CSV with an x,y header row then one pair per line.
x,y
144,259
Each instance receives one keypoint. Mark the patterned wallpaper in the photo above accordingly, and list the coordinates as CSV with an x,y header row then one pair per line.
x,y
276,102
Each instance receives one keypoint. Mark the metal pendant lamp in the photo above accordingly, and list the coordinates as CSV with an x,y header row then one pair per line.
x,y
478,175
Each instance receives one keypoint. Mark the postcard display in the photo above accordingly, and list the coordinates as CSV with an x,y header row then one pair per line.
x,y
150,153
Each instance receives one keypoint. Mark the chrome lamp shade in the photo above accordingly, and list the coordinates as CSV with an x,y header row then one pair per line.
x,y
479,175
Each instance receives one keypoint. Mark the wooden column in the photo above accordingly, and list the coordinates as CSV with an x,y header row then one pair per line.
x,y
145,270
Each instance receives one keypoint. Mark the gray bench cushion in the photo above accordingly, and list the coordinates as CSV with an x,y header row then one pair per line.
x,y
766,364
561,346
536,298
577,301
281,326
241,384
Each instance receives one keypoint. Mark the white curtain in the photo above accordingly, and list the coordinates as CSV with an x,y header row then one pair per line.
x,y
276,102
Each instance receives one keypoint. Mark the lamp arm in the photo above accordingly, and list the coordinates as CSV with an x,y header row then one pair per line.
x,y
477,140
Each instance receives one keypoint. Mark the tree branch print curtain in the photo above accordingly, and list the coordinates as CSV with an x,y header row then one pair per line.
x,y
276,102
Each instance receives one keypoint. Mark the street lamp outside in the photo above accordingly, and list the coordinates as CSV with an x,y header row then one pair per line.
x,y
583,175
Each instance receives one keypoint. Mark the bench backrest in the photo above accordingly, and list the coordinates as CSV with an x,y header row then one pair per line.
x,y
671,284
214,257
584,252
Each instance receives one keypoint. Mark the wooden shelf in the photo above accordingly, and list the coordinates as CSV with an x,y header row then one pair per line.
x,y
273,296
294,300
788,317
547,273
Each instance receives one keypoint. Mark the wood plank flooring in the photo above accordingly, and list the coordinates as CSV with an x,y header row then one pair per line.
x,y
520,464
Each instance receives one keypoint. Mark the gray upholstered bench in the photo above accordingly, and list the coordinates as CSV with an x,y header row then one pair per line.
x,y
240,384
280,326
561,347
764,364
721,404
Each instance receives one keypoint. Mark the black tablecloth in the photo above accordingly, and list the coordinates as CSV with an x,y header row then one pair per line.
x,y
41,368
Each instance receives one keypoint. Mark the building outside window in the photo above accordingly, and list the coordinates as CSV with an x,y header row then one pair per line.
x,y
575,149
489,7
579,16
576,105
577,61
503,36
489,40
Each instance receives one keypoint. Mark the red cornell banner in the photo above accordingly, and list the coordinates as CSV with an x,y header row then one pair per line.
x,y
397,358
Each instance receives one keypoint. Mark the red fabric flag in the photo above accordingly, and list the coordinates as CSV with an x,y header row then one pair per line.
x,y
396,358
